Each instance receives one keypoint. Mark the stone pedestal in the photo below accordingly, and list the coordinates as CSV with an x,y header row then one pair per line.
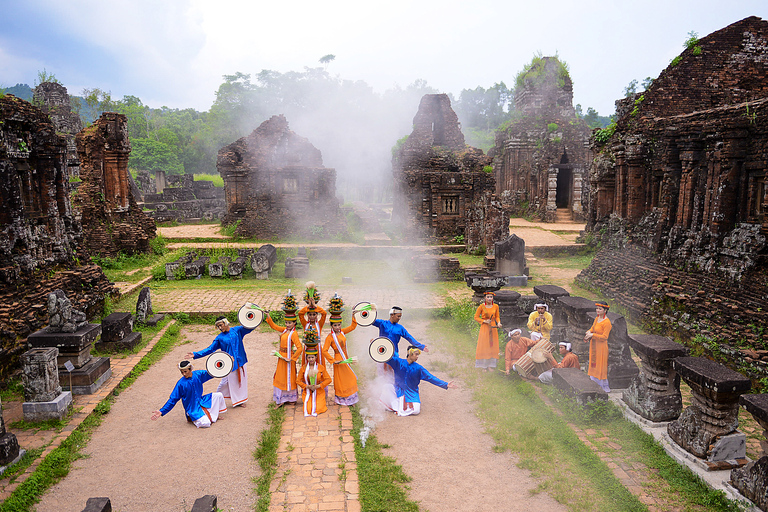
x,y
50,410
708,427
89,373
510,314
98,505
576,311
655,393
40,376
75,346
9,445
510,257
549,295
621,367
297,267
752,479
482,282
577,384
143,306
117,333
88,378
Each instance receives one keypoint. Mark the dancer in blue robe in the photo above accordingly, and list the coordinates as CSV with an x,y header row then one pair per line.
x,y
408,375
393,330
202,410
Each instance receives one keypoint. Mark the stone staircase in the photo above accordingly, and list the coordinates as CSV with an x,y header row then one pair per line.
x,y
563,216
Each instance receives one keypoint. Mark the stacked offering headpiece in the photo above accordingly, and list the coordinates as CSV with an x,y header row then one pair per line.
x,y
311,341
336,308
290,307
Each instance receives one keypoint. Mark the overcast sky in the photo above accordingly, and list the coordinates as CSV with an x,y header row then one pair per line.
x,y
174,52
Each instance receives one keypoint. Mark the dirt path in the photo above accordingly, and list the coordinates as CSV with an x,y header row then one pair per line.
x,y
144,465
446,452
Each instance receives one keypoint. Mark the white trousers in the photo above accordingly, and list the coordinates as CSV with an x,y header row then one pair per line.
x,y
235,386
393,403
218,406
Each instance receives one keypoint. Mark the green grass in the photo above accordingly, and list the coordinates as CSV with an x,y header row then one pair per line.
x,y
217,180
266,455
382,480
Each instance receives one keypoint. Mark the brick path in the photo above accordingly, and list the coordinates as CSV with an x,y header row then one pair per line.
x,y
317,469
84,405
221,300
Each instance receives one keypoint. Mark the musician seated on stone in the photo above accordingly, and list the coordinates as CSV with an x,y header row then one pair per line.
x,y
516,347
570,360
202,410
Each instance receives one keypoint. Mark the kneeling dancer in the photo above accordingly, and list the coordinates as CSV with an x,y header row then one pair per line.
x,y
404,398
202,410
230,340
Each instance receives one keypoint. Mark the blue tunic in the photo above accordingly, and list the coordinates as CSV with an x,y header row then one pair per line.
x,y
408,376
230,342
394,332
190,392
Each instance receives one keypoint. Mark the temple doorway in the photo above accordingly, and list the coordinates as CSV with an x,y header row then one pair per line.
x,y
564,187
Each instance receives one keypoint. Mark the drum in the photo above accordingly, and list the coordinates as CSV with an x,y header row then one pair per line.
x,y
526,367
365,315
250,315
219,364
540,360
381,349
544,344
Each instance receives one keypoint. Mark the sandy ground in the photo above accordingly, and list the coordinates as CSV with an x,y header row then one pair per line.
x,y
192,231
144,465
447,453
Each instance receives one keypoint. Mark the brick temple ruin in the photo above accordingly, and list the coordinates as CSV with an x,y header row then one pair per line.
x,y
444,189
41,247
678,198
275,185
541,159
52,98
112,219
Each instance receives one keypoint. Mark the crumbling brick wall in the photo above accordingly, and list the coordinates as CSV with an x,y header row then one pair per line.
x,y
682,182
40,239
53,100
541,158
442,189
276,186
112,220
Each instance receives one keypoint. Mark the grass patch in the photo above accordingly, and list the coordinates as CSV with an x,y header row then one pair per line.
x,y
13,389
381,478
266,455
29,457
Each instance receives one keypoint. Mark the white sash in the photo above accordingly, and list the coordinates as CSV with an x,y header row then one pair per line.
x,y
343,355
312,394
288,365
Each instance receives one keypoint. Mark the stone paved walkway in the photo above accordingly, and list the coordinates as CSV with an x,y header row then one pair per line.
x,y
221,300
316,460
83,405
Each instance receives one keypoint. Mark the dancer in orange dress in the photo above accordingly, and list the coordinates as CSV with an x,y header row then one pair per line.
x,y
312,315
344,377
487,315
284,380
313,377
597,336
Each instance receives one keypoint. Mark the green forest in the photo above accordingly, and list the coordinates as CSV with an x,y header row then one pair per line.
x,y
347,120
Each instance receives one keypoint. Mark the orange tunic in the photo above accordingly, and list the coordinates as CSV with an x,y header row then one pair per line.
x,y
318,327
285,374
515,351
488,339
344,378
598,349
314,402
570,360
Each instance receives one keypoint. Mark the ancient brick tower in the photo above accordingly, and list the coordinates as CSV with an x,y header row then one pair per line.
x,y
276,185
540,159
443,189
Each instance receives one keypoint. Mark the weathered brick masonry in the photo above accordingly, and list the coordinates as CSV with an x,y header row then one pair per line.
x,y
40,240
678,196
